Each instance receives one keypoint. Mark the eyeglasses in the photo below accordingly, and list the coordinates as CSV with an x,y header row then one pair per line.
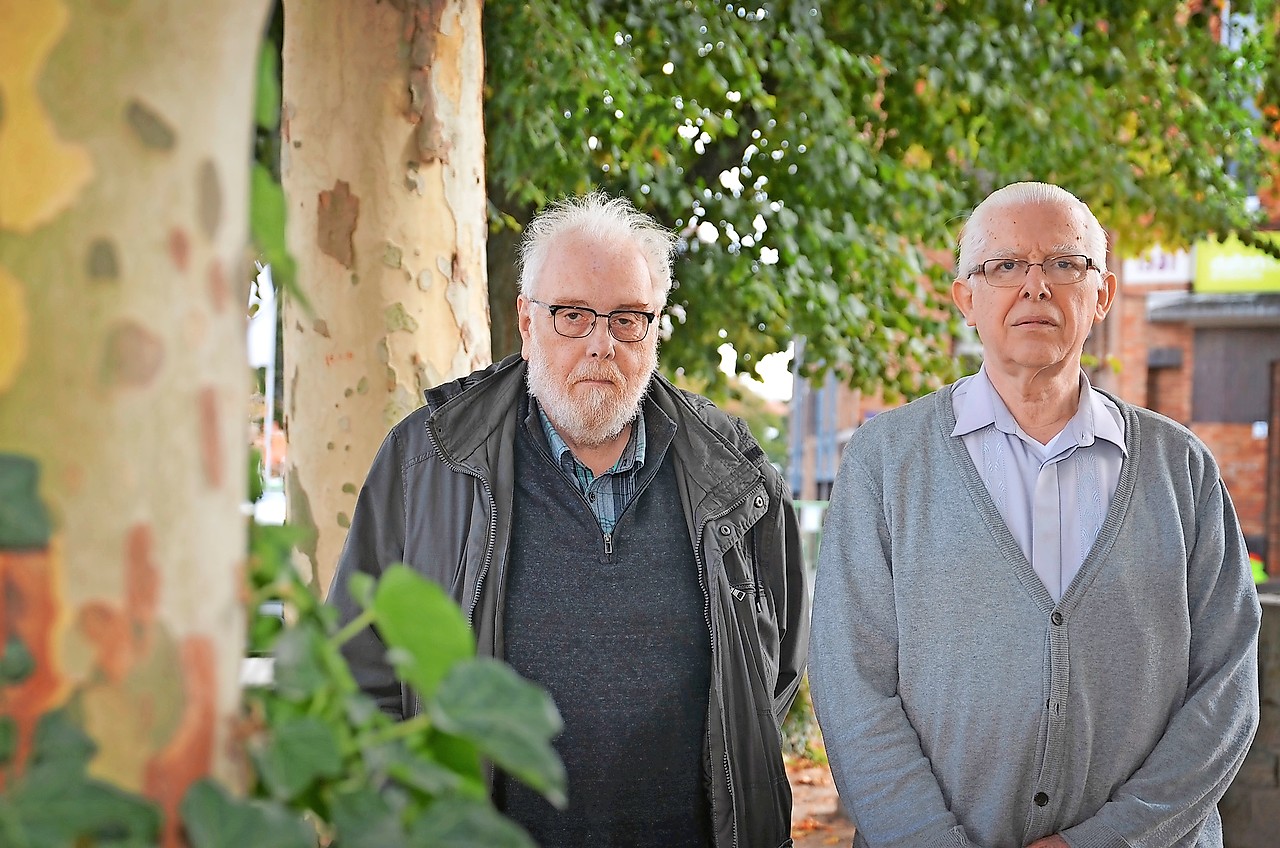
x,y
1058,270
577,322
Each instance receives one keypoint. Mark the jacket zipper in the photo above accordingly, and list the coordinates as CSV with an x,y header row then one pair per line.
x,y
493,522
706,614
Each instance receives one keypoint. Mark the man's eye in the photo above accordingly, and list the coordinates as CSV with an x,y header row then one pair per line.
x,y
624,320
1064,263
573,315
1007,265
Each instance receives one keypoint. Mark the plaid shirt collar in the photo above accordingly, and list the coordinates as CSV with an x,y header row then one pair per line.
x,y
631,460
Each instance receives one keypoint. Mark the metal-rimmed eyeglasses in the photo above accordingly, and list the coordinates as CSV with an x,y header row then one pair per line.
x,y
577,322
1058,270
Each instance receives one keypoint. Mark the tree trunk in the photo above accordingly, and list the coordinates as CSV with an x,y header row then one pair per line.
x,y
383,168
125,133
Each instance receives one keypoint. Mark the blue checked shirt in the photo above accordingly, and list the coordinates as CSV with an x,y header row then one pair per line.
x,y
608,494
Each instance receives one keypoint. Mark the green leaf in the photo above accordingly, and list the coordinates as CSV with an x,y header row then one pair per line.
x,y
363,819
464,823
462,758
298,670
267,210
24,522
59,741
55,803
423,625
415,770
8,739
509,719
361,587
215,819
267,101
17,664
297,752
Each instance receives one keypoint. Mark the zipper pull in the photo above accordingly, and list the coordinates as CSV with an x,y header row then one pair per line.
x,y
608,544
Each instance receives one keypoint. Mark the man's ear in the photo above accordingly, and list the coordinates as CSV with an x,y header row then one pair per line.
x,y
524,313
962,297
1106,297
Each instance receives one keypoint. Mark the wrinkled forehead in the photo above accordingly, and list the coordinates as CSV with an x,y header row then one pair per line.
x,y
585,269
1034,228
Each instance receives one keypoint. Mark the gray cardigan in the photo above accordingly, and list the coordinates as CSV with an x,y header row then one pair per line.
x,y
961,706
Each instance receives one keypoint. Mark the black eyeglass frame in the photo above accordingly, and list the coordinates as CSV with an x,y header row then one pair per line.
x,y
1088,266
555,308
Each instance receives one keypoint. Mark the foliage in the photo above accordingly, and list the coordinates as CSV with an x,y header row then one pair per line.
x,y
52,801
317,745
320,745
801,737
831,147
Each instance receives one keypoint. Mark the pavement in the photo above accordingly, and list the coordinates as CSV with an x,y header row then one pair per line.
x,y
817,820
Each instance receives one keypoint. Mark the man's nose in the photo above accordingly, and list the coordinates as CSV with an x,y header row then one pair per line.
x,y
1036,283
600,341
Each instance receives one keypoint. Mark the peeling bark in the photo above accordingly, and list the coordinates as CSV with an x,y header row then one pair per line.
x,y
382,103
123,222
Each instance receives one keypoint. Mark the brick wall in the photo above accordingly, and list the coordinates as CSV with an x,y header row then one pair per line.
x,y
1243,460
1251,808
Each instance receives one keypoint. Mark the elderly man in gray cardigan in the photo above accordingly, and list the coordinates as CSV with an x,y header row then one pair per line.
x,y
1034,622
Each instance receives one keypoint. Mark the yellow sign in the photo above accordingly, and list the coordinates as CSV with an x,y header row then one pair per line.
x,y
1223,267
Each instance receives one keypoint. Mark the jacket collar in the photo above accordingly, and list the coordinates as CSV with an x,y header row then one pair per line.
x,y
467,411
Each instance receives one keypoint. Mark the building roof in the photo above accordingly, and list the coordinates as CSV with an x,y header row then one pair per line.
x,y
1214,310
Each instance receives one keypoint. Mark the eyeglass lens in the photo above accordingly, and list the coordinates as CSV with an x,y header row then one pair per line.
x,y
1059,270
623,326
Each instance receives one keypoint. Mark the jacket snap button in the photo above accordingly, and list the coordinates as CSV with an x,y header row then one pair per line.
x,y
724,530
1041,799
759,501
1056,618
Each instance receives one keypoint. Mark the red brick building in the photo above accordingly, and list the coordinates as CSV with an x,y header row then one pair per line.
x,y
1196,336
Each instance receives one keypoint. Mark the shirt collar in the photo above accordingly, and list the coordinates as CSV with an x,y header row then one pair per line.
x,y
978,405
632,455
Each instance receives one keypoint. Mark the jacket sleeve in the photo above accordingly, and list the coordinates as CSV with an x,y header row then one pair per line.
x,y
1205,742
374,542
881,772
791,597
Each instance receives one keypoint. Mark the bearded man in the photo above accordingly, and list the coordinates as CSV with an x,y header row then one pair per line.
x,y
619,541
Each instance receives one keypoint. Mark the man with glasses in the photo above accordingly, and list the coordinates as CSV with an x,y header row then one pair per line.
x,y
618,540
1034,622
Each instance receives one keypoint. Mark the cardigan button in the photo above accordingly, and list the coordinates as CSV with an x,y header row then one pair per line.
x,y
1041,799
1056,618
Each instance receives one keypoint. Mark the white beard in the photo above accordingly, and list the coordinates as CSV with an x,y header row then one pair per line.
x,y
588,416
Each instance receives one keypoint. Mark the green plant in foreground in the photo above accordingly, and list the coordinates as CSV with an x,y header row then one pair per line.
x,y
364,777
326,764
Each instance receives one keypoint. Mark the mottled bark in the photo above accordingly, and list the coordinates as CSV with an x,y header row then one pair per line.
x,y
383,166
125,131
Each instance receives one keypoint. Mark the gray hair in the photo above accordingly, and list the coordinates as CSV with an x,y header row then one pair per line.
x,y
601,218
974,234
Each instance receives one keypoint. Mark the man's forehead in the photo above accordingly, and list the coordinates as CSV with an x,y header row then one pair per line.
x,y
1050,227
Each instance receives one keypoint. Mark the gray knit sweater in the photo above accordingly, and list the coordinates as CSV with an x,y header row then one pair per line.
x,y
961,706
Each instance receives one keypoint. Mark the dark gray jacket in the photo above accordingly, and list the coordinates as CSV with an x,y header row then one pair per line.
x,y
439,498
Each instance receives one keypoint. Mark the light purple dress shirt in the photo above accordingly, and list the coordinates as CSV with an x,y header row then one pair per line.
x,y
1053,497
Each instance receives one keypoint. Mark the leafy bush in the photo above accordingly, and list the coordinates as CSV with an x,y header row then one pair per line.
x,y
327,766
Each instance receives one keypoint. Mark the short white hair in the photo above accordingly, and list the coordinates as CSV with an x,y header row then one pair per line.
x,y
600,218
975,235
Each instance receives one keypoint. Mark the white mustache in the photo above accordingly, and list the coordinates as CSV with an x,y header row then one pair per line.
x,y
610,373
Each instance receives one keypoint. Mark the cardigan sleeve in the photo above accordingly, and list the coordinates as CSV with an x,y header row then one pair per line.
x,y
880,769
1205,742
